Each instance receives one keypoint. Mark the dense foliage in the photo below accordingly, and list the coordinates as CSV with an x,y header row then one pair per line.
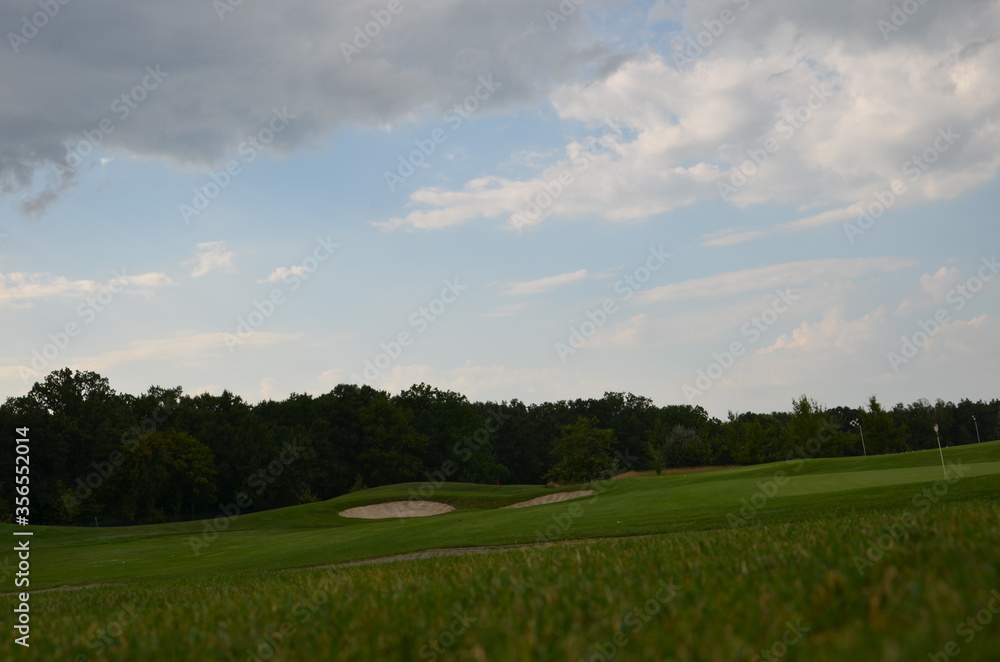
x,y
97,454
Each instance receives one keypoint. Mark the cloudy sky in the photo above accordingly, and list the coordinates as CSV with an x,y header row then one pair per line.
x,y
725,203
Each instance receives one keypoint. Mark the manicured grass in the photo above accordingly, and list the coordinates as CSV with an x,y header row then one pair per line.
x,y
749,548
647,512
734,592
315,534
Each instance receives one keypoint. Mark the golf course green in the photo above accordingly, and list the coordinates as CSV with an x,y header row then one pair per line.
x,y
873,558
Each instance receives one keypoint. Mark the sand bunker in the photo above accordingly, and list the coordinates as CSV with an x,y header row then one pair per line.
x,y
398,509
552,498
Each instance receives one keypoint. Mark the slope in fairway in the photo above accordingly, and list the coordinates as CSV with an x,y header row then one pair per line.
x,y
315,534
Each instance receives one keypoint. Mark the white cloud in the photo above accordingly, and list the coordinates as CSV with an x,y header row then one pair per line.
x,y
332,377
266,389
636,332
469,379
833,334
729,238
934,289
775,276
879,105
212,256
281,273
150,280
506,311
182,346
21,289
824,218
540,285
967,338
10,372
937,285
678,329
960,348
717,324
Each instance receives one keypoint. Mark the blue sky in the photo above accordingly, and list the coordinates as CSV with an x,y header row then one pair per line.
x,y
653,197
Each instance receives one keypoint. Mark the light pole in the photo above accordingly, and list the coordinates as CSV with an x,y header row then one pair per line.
x,y
939,450
978,440
857,423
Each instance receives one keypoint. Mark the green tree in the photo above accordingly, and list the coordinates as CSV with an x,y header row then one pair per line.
x,y
161,475
881,432
392,450
520,442
685,448
81,419
629,415
807,419
458,433
584,451
751,451
656,446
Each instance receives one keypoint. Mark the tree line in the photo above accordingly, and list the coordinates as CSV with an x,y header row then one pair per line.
x,y
100,456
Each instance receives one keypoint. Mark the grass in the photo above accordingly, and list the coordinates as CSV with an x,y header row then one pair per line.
x,y
802,553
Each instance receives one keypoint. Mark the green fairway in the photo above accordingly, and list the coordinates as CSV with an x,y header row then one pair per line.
x,y
747,549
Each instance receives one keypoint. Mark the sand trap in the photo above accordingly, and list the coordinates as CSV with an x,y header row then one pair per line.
x,y
552,498
398,509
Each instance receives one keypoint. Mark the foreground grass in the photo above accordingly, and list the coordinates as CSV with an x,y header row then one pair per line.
x,y
719,595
